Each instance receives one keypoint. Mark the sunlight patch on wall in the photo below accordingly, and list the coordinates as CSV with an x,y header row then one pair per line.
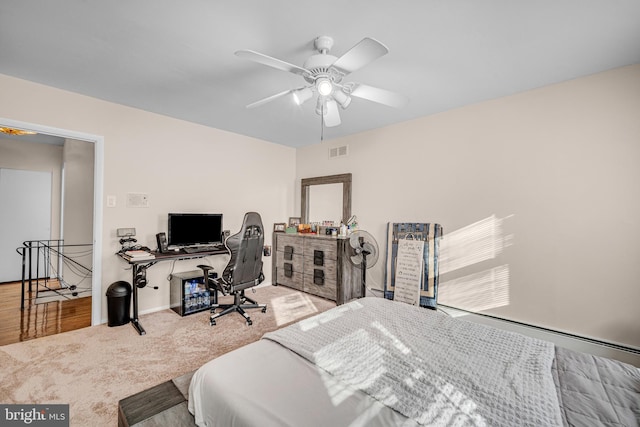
x,y
467,247
479,291
480,241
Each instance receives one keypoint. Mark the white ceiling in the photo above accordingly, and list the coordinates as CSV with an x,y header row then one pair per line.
x,y
177,57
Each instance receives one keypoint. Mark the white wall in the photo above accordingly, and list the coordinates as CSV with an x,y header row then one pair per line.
x,y
78,191
537,194
36,157
180,165
77,221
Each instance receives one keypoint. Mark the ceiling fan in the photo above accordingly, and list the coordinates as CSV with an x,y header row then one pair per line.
x,y
324,74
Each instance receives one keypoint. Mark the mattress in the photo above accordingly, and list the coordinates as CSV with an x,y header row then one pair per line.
x,y
264,384
268,384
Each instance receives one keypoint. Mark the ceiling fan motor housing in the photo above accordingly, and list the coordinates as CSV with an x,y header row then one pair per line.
x,y
324,44
320,66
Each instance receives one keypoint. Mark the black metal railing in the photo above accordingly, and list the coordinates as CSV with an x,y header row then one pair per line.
x,y
50,256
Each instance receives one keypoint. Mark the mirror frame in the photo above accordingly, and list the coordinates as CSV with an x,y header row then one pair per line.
x,y
344,179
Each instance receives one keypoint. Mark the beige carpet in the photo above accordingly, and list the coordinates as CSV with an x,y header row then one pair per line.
x,y
93,368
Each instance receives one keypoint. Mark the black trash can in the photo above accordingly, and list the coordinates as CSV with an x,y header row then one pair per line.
x,y
119,303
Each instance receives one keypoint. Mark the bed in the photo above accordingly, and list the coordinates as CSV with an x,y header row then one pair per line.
x,y
376,362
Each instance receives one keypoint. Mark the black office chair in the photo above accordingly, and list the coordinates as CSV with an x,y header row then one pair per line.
x,y
243,271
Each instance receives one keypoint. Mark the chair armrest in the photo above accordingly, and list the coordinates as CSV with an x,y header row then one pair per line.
x,y
211,283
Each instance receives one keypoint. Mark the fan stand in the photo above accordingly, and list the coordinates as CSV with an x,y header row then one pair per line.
x,y
363,264
364,272
363,254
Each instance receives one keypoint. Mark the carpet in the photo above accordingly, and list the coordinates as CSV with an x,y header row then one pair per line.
x,y
91,369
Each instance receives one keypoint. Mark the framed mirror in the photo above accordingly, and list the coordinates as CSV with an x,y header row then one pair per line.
x,y
326,196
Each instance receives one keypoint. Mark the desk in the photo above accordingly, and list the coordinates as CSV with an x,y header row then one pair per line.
x,y
139,267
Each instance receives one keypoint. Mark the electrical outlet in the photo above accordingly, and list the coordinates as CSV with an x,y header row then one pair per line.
x,y
111,201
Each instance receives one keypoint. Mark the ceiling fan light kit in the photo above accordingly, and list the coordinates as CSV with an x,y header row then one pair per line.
x,y
324,86
342,98
324,74
302,95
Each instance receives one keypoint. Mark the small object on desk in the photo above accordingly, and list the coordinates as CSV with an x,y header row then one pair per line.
x,y
137,255
197,249
161,239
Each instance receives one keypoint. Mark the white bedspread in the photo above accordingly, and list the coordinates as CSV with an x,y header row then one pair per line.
x,y
429,367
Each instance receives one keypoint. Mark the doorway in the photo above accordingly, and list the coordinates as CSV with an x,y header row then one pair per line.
x,y
95,203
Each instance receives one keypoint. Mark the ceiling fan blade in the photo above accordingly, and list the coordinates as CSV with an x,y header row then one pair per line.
x,y
271,62
360,55
381,96
268,99
331,114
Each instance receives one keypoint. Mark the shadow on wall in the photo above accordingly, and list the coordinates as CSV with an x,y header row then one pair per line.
x,y
469,246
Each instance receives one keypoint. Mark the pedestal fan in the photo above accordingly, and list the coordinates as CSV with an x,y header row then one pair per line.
x,y
363,253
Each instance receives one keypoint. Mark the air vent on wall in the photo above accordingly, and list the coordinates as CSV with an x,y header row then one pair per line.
x,y
336,152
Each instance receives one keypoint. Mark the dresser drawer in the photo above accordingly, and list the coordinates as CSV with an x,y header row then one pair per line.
x,y
321,285
296,262
290,268
329,266
296,281
327,247
290,244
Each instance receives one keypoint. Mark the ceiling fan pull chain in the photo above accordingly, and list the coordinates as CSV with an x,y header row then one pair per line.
x,y
322,125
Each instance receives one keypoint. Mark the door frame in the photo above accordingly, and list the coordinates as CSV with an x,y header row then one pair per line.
x,y
98,184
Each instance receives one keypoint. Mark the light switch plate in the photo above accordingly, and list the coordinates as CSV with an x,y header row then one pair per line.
x,y
137,200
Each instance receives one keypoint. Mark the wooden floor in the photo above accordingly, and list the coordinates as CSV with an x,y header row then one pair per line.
x,y
38,320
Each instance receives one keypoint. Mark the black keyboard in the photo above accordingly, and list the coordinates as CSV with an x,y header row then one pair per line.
x,y
197,249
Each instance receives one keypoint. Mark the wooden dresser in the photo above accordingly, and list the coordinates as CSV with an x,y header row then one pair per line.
x,y
316,264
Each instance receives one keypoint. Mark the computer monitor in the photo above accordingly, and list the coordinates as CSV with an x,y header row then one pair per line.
x,y
194,229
